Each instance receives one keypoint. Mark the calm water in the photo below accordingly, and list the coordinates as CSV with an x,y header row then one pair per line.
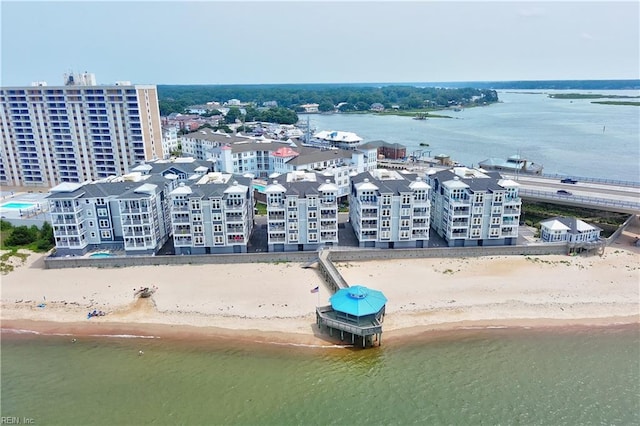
x,y
470,377
566,136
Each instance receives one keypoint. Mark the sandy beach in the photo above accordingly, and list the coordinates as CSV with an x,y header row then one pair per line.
x,y
273,301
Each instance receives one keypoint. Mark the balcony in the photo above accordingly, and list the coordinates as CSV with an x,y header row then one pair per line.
x,y
234,205
460,212
65,222
235,218
235,239
62,209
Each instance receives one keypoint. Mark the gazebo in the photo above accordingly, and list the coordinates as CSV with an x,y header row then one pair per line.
x,y
357,310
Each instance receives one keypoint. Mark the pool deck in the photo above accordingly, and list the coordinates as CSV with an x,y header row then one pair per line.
x,y
37,199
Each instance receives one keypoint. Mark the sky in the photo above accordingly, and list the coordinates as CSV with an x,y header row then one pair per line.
x,y
268,42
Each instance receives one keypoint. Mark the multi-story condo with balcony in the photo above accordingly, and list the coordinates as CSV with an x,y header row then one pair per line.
x,y
390,209
302,212
76,132
471,207
127,214
263,157
170,141
212,215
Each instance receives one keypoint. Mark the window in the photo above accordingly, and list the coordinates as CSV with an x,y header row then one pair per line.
x,y
404,223
105,234
218,239
217,228
312,214
385,223
385,235
293,202
313,236
102,212
313,225
293,215
104,223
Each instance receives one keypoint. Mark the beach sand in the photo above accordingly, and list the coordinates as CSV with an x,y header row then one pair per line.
x,y
273,301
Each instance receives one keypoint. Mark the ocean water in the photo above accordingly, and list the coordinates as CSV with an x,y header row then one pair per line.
x,y
570,137
558,376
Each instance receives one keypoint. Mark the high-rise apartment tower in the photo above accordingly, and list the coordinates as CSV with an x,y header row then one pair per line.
x,y
76,132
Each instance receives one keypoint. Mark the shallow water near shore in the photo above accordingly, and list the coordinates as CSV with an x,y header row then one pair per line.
x,y
570,375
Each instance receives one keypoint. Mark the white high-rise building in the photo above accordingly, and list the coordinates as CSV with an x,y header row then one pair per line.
x,y
76,132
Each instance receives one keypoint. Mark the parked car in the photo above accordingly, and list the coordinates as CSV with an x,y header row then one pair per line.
x,y
568,180
563,192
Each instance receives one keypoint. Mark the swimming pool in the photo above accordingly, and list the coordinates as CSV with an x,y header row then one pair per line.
x,y
15,205
259,188
100,255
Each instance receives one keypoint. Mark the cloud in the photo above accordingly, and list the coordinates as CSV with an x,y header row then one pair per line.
x,y
587,36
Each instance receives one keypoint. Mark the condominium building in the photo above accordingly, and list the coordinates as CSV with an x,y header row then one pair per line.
x,y
214,214
302,212
76,132
170,141
262,157
127,215
390,209
471,207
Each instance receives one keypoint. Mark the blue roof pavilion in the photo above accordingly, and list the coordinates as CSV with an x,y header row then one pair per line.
x,y
358,301
357,310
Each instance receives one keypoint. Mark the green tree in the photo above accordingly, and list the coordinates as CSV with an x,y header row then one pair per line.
x,y
22,236
46,233
326,106
233,115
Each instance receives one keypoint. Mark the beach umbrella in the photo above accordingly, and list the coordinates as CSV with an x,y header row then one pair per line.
x,y
358,301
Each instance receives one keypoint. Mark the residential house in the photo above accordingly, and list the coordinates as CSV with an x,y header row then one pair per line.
x,y
568,229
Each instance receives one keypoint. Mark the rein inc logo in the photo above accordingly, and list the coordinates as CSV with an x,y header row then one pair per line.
x,y
13,420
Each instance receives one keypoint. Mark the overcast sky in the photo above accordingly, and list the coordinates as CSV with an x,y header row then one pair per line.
x,y
241,42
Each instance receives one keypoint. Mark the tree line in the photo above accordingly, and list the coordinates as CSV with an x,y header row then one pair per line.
x,y
350,97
